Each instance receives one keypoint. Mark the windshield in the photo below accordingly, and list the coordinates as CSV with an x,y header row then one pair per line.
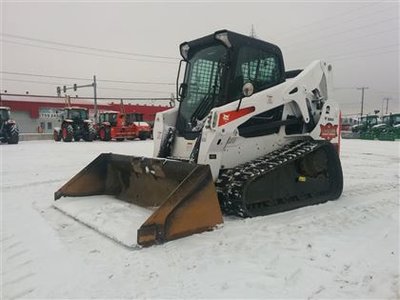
x,y
4,114
373,121
80,114
203,80
134,117
391,120
369,120
257,66
109,117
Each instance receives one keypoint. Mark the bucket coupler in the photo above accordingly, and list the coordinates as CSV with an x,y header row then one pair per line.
x,y
183,193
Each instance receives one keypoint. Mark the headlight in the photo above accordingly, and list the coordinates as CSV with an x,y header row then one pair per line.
x,y
214,119
184,48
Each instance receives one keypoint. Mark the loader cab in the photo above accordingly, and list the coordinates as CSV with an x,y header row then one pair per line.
x,y
217,68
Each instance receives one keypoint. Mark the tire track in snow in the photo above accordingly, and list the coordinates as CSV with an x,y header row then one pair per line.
x,y
188,284
351,211
365,189
7,238
17,275
23,293
30,184
13,245
333,216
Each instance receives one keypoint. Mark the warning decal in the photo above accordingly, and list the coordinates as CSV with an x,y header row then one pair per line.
x,y
328,131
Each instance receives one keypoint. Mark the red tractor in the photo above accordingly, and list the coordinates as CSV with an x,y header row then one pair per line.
x,y
120,126
142,129
75,125
112,125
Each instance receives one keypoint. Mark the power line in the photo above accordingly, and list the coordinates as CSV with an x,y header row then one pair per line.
x,y
330,43
91,98
136,82
357,56
85,53
42,75
388,91
80,78
101,88
342,32
365,51
85,47
348,12
343,88
30,81
131,90
371,90
361,56
353,18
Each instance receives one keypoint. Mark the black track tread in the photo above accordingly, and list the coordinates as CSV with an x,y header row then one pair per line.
x,y
231,183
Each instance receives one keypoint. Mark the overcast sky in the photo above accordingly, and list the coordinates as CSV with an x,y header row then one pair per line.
x,y
57,38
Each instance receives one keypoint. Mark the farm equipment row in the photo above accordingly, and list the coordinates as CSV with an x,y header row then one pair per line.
x,y
9,132
372,127
76,125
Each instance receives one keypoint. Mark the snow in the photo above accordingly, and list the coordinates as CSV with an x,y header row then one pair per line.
x,y
347,248
107,215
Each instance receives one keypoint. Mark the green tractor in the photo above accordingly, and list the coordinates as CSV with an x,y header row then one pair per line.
x,y
366,127
9,132
390,128
75,125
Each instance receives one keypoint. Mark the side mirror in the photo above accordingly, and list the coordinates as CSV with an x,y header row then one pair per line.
x,y
248,89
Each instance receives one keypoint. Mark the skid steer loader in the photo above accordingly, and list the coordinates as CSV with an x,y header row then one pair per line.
x,y
247,139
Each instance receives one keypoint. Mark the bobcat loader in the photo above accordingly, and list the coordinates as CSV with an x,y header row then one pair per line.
x,y
247,139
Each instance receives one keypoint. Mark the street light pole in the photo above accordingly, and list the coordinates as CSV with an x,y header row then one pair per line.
x,y
75,87
387,104
362,98
95,98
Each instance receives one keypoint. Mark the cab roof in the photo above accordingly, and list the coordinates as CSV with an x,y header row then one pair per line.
x,y
236,40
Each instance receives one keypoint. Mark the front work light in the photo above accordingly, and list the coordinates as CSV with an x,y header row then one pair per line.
x,y
223,37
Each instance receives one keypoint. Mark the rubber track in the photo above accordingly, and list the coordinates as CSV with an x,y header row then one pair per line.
x,y
231,182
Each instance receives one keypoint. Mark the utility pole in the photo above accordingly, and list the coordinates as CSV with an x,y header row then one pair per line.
x,y
75,87
362,98
253,32
95,98
387,104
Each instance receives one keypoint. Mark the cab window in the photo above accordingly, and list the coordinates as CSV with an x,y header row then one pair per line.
x,y
256,66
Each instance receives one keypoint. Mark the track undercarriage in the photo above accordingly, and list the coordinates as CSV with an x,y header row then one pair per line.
x,y
301,173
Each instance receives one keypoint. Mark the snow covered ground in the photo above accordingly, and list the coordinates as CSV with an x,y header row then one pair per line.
x,y
342,249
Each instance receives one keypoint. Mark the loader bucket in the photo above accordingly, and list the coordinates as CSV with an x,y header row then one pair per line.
x,y
183,194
